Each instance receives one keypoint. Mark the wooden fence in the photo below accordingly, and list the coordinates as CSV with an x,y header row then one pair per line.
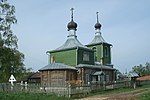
x,y
63,90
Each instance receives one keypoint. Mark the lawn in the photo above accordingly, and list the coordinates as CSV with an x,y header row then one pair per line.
x,y
30,96
145,96
140,93
111,91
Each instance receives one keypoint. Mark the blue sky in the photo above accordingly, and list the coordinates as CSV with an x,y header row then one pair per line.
x,y
125,24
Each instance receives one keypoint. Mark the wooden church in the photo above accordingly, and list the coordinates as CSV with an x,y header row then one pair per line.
x,y
77,64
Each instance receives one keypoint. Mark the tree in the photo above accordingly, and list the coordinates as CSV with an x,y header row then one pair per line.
x,y
147,68
138,69
11,60
142,69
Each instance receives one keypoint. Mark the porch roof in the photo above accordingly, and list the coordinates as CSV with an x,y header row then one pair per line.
x,y
99,73
94,66
54,66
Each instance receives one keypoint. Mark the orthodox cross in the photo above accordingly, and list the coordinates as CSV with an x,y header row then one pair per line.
x,y
72,13
97,16
12,80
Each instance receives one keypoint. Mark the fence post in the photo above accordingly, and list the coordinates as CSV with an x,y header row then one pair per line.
x,y
69,91
21,85
104,85
26,84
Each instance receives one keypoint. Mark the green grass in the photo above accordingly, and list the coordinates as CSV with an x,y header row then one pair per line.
x,y
145,96
30,96
105,92
121,90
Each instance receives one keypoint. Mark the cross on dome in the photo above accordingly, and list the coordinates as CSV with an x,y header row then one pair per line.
x,y
97,25
72,25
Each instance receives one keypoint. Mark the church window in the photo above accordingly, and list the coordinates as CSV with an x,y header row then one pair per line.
x,y
85,56
101,78
107,78
106,51
94,48
87,78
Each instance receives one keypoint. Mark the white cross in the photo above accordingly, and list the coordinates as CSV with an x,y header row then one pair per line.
x,y
12,79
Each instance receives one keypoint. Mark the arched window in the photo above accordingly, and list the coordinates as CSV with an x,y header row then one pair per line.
x,y
106,51
86,56
95,56
94,48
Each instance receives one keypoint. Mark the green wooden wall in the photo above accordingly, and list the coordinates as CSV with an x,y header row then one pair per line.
x,y
100,53
73,57
67,57
107,58
80,57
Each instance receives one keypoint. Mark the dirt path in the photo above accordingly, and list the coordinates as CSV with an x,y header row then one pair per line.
x,y
132,95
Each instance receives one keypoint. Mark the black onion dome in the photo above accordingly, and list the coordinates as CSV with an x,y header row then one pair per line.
x,y
98,25
72,25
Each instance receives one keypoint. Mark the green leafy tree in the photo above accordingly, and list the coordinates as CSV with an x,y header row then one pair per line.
x,y
142,69
138,69
147,68
11,60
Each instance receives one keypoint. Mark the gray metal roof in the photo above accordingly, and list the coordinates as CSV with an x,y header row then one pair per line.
x,y
133,74
99,73
97,39
54,66
95,66
71,43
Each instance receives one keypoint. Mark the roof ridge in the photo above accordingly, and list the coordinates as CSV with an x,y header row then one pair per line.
x,y
70,43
